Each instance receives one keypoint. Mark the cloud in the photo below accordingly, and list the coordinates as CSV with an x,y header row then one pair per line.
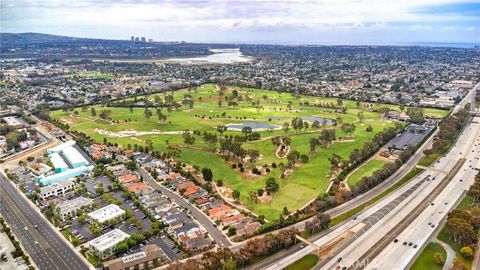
x,y
232,15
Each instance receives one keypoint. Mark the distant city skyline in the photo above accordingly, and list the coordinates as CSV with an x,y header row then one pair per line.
x,y
379,22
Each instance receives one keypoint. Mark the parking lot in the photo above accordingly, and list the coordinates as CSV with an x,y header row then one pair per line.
x,y
82,230
411,136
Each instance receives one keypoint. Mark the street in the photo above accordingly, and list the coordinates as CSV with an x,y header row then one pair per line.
x,y
214,232
43,244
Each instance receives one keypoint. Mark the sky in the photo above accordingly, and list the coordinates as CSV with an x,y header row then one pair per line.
x,y
251,21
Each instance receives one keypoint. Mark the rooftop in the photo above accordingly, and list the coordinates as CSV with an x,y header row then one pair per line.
x,y
60,147
106,213
108,240
58,161
57,185
74,157
70,205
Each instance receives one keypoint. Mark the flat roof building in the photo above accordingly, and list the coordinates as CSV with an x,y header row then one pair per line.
x,y
55,178
57,189
74,157
149,257
70,207
104,246
14,121
60,147
58,163
107,213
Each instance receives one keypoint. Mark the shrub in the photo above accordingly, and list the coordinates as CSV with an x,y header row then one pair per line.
x,y
438,257
466,252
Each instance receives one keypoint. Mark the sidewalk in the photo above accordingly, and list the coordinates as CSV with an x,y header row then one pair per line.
x,y
450,254
55,229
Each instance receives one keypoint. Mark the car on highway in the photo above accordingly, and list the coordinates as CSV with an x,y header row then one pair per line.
x,y
36,242
395,241
26,229
35,225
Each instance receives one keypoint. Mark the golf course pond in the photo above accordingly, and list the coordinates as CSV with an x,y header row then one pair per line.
x,y
256,126
326,121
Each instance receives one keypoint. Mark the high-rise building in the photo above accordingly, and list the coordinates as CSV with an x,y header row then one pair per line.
x,y
132,38
143,39
150,40
137,39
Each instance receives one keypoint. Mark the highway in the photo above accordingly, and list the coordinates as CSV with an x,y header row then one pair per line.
x,y
414,223
205,221
45,246
374,223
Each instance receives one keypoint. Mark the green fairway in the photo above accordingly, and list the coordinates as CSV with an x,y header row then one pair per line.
x,y
366,170
129,127
91,75
426,260
305,263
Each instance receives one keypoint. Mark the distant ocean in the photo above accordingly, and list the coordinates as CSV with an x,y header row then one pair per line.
x,y
446,44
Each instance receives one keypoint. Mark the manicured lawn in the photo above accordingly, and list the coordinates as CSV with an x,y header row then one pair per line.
x,y
307,181
366,170
305,263
91,75
426,260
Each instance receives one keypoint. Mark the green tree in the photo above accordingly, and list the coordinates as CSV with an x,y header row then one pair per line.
x,y
236,195
121,247
271,185
207,174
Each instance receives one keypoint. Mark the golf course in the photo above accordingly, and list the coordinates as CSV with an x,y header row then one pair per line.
x,y
201,122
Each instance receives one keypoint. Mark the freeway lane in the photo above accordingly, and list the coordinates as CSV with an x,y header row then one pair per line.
x,y
364,250
43,244
216,234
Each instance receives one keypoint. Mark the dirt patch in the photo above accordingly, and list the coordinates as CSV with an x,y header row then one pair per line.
x,y
387,159
226,192
265,198
66,121
133,133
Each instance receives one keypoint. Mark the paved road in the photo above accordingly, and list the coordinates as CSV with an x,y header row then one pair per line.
x,y
347,206
43,244
377,247
216,234
450,253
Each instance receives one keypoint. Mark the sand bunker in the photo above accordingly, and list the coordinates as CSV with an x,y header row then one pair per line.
x,y
133,133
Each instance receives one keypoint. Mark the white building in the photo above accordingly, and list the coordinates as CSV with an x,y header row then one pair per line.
x,y
105,214
14,122
60,147
461,83
74,157
70,207
104,246
58,162
57,189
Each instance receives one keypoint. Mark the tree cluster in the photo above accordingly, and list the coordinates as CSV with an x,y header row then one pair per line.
x,y
224,258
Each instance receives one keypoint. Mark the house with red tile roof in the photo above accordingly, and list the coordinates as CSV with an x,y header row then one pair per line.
x,y
97,154
233,219
222,212
129,178
185,185
191,190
